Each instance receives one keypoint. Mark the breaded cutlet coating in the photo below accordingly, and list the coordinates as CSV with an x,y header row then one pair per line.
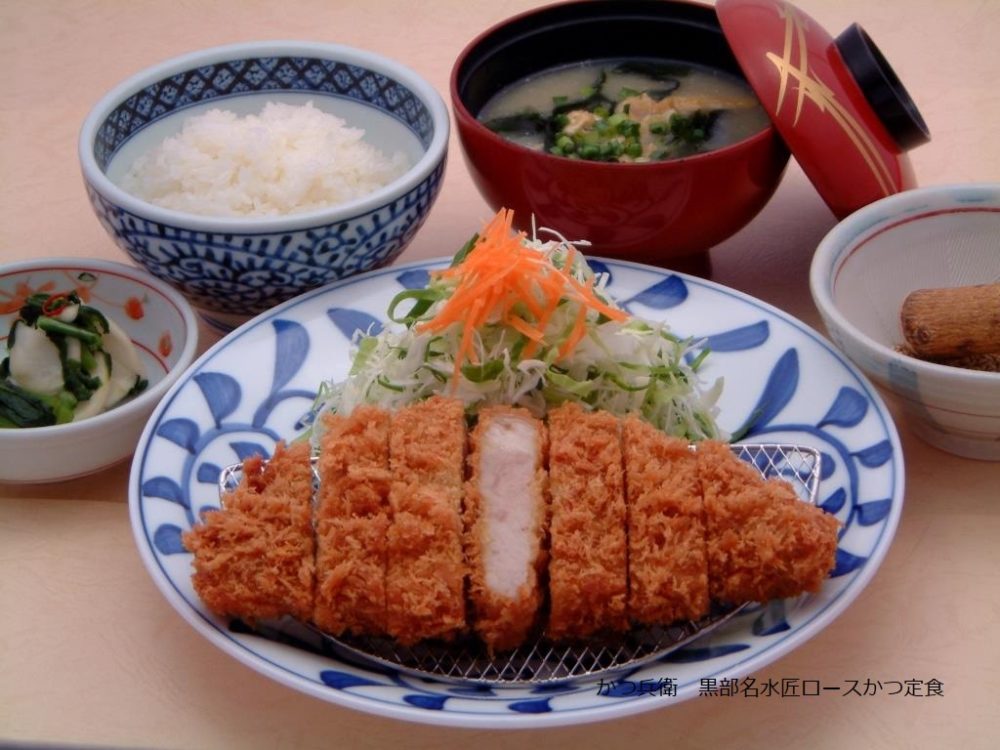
x,y
668,570
505,515
588,577
352,519
254,558
425,572
763,542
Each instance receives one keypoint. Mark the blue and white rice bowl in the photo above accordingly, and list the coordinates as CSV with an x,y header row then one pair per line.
x,y
232,268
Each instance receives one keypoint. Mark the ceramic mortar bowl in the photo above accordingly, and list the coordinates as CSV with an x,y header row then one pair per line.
x,y
232,268
864,269
162,326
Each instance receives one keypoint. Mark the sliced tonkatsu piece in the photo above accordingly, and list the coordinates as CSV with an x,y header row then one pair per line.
x,y
425,572
254,558
668,569
763,542
352,520
588,577
505,513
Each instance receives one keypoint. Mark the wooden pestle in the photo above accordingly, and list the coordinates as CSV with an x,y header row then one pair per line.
x,y
952,321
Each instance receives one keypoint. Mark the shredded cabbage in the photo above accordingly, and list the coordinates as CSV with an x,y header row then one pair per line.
x,y
634,366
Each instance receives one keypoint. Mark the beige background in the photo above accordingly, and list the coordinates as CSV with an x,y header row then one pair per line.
x,y
89,651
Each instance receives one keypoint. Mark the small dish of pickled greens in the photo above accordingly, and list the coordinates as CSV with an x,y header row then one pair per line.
x,y
625,110
65,361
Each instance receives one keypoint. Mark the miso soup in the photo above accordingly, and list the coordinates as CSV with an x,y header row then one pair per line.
x,y
626,110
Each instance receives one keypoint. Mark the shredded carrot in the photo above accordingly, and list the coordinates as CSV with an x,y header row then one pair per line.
x,y
523,327
501,279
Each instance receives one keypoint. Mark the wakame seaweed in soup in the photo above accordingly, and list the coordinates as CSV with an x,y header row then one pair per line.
x,y
625,110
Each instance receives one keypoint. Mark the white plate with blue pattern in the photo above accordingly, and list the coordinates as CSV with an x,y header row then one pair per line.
x,y
782,379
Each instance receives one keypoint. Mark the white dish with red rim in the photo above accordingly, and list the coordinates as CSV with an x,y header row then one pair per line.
x,y
159,322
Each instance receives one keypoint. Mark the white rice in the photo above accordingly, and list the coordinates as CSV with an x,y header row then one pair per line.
x,y
286,160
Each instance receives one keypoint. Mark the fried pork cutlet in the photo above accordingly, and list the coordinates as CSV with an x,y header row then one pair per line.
x,y
352,519
588,580
253,559
425,573
667,567
763,542
505,524
640,528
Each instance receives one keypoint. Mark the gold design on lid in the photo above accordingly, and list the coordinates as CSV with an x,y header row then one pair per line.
x,y
811,88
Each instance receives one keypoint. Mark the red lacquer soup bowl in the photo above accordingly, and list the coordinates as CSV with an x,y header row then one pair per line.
x,y
657,212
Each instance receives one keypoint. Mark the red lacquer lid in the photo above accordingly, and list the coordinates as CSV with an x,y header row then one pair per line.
x,y
836,102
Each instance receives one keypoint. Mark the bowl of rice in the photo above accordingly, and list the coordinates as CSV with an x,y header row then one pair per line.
x,y
246,174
